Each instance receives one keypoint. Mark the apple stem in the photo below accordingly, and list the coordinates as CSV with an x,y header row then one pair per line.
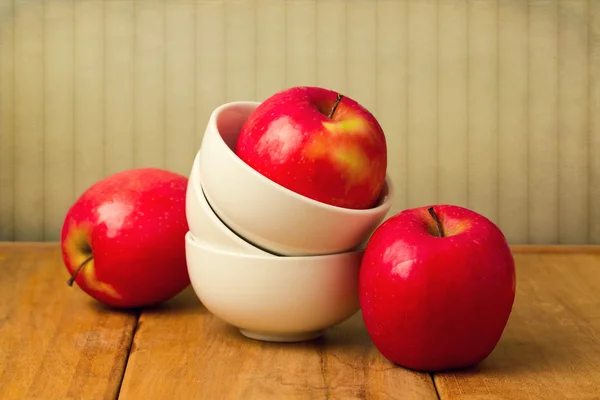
x,y
74,275
335,105
437,221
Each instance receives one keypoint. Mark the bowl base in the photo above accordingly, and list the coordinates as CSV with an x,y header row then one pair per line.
x,y
282,337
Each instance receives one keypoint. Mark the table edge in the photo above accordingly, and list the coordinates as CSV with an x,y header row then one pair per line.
x,y
516,248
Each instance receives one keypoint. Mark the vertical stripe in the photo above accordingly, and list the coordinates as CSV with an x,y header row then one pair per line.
x,y
180,71
301,37
89,94
119,85
422,107
543,133
331,44
29,121
512,119
452,160
483,107
361,55
240,51
7,123
392,97
594,114
210,62
573,122
270,48
58,115
149,74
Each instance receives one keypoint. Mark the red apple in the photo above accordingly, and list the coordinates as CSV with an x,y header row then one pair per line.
x,y
319,144
436,287
123,240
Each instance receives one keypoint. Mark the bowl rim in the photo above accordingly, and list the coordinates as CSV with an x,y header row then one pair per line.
x,y
384,201
190,239
198,190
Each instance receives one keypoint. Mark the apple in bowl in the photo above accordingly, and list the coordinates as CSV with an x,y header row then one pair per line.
x,y
267,214
436,287
317,143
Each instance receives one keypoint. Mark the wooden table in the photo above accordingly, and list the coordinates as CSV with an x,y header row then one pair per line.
x,y
57,343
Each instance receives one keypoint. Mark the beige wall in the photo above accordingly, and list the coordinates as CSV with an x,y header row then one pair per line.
x,y
494,105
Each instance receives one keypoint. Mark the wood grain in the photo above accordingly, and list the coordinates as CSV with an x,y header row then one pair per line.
x,y
55,342
551,346
549,350
181,351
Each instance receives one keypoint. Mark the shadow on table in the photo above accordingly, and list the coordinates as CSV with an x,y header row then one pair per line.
x,y
350,334
185,302
554,348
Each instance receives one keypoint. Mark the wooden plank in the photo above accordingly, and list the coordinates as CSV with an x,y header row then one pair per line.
x,y
55,342
550,349
560,249
181,351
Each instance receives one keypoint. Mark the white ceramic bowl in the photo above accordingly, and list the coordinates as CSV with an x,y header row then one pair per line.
x,y
277,299
204,223
267,214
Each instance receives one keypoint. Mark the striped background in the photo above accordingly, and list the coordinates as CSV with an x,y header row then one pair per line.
x,y
493,105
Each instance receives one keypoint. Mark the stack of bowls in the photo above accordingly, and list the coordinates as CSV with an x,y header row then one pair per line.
x,y
275,264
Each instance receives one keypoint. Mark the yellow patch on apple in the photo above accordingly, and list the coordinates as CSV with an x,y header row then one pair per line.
x,y
78,250
95,284
354,126
451,226
348,158
454,227
354,161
